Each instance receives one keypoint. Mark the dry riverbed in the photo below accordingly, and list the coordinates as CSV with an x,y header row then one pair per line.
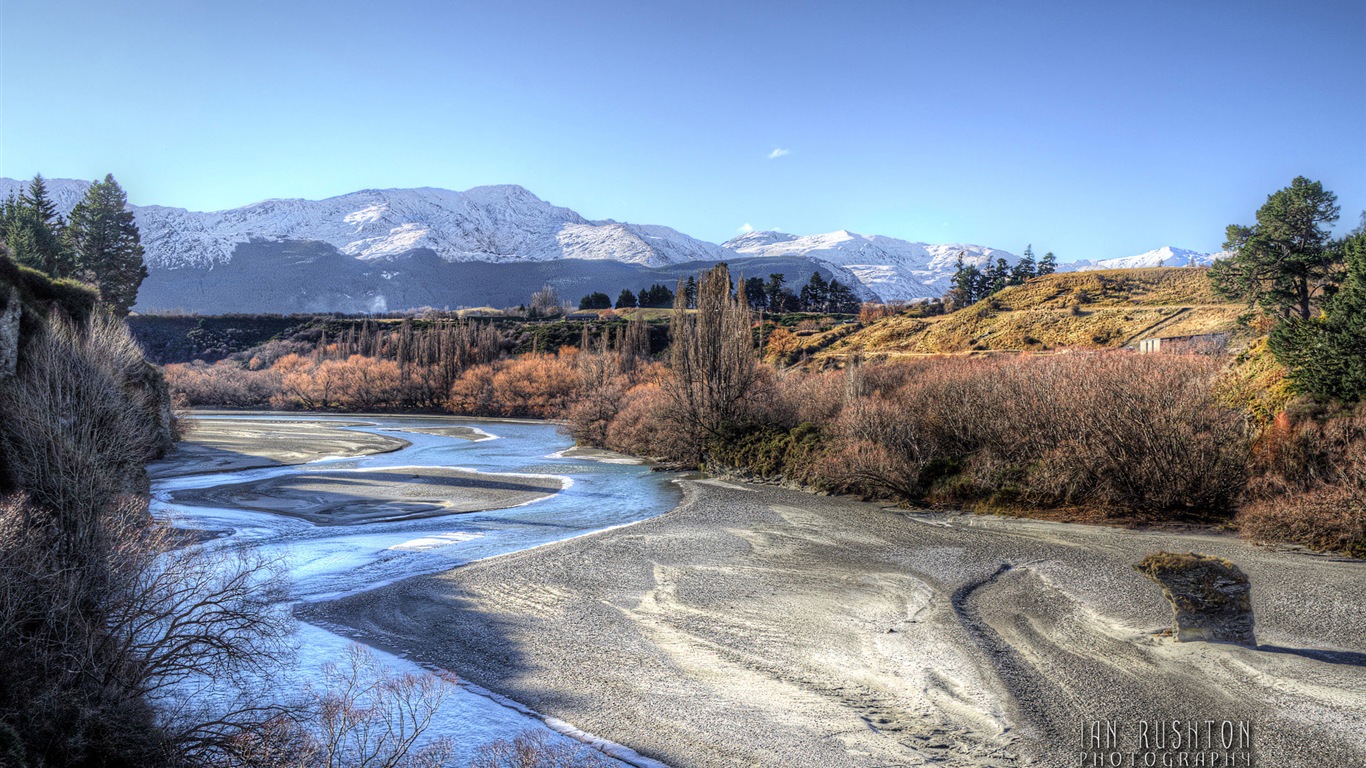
x,y
759,626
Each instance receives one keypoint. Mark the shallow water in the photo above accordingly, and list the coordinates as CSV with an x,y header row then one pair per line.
x,y
326,562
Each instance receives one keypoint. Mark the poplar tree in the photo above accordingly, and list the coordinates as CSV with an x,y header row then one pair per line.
x,y
106,244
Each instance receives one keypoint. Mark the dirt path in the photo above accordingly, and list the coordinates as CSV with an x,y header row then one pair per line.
x,y
756,626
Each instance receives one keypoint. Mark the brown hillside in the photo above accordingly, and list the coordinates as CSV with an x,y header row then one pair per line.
x,y
1110,308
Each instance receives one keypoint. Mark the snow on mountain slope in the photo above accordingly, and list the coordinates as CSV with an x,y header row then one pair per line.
x,y
893,269
1166,256
504,223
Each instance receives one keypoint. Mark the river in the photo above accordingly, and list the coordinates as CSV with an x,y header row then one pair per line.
x,y
326,562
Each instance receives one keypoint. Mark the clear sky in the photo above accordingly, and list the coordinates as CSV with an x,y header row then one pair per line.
x,y
1093,129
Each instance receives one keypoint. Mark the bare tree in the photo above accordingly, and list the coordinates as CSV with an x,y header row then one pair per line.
x,y
714,373
361,718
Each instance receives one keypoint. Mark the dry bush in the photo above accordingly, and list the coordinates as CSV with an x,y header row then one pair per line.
x,y
648,425
535,386
1125,433
1309,483
601,392
472,393
223,384
534,749
77,431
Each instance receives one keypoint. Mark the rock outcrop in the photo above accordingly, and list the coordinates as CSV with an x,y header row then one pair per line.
x,y
1211,598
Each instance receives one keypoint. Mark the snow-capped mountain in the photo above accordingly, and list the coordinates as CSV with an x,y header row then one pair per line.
x,y
1166,256
496,224
398,248
891,268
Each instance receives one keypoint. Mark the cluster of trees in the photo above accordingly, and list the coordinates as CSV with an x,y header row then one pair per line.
x,y
972,283
772,295
1290,266
99,243
656,295
818,295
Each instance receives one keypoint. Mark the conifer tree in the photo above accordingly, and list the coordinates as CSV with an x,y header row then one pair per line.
x,y
998,275
1287,260
1047,265
815,294
755,294
106,244
841,299
32,229
690,292
1326,355
1024,268
626,299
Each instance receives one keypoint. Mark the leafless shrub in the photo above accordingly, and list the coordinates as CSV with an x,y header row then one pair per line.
x,y
534,749
361,718
1121,432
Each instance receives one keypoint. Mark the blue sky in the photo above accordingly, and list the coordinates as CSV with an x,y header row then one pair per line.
x,y
1093,129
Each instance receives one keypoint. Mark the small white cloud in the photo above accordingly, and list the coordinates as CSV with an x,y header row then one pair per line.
x,y
745,228
778,152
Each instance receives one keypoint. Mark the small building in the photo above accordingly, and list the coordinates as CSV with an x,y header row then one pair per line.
x,y
1194,344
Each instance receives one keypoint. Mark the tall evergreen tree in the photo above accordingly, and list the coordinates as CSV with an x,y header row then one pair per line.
x,y
1024,268
754,293
998,276
780,299
841,299
968,284
1326,355
815,294
1287,260
690,292
107,245
626,299
33,229
1047,265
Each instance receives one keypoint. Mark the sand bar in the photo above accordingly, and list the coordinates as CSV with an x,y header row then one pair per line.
x,y
226,445
347,497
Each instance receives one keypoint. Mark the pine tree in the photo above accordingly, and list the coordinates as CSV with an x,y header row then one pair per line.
x,y
1287,259
841,299
106,244
690,292
815,294
1024,268
1047,265
998,275
1326,355
754,293
33,230
626,299
969,284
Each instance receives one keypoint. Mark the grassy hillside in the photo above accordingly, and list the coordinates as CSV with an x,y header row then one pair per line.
x,y
1111,308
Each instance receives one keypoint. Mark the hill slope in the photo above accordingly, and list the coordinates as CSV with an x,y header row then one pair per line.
x,y
1112,308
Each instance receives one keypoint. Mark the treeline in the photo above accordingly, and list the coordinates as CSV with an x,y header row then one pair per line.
x,y
98,244
772,295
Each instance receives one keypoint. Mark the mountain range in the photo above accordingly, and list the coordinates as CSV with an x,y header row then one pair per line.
x,y
393,249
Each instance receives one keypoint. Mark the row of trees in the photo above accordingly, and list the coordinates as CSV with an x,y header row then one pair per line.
x,y
657,295
99,243
772,295
971,283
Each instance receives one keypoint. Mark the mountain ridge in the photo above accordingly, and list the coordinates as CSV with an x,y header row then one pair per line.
x,y
509,224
